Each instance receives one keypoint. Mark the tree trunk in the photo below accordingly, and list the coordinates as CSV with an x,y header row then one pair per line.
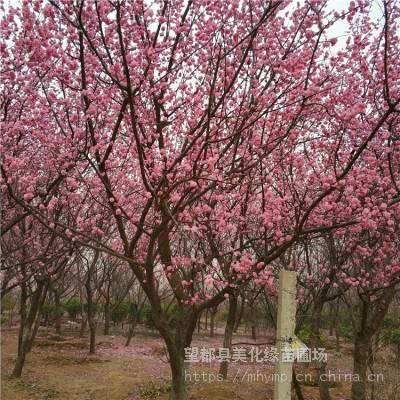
x,y
212,322
91,320
332,319
297,387
83,327
38,318
91,306
178,387
27,331
229,328
23,315
107,317
320,367
83,312
57,302
92,345
360,362
131,332
176,341
199,324
240,316
35,329
183,338
20,361
366,324
253,332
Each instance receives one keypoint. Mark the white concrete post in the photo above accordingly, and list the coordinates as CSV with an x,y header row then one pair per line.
x,y
286,322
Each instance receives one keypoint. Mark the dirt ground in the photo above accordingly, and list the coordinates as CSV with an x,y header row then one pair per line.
x,y
61,368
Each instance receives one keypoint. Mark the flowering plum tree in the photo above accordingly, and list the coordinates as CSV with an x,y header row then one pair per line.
x,y
31,258
197,141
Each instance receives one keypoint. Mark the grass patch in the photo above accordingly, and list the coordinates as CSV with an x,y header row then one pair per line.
x,y
22,389
68,360
153,390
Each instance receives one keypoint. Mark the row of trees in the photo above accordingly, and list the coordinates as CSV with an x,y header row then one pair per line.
x,y
199,147
366,316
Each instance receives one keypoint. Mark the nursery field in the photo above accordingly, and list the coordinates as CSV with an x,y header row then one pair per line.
x,y
60,367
